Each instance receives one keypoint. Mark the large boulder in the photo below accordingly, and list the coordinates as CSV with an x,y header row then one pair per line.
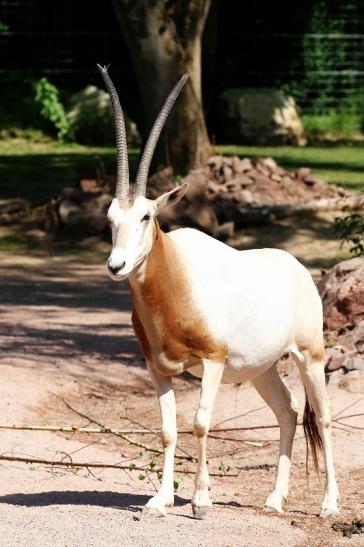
x,y
342,293
91,117
260,116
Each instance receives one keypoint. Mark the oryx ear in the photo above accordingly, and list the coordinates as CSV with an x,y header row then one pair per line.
x,y
170,197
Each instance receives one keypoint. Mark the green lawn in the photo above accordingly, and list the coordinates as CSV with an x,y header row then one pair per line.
x,y
38,171
342,165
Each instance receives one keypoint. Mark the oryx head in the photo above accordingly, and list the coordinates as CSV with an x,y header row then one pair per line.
x,y
132,219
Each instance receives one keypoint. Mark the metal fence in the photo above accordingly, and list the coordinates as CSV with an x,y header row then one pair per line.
x,y
320,61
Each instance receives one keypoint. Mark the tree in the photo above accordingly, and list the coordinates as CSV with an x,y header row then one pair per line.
x,y
164,39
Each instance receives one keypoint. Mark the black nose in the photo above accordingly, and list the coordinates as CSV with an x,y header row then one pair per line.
x,y
115,269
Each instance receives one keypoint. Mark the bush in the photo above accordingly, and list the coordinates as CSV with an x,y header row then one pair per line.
x,y
341,123
351,230
47,95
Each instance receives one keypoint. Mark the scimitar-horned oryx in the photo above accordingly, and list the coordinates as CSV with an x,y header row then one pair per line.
x,y
223,315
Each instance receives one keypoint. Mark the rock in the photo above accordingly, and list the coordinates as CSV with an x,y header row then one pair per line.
x,y
303,173
89,185
353,381
353,362
91,118
335,357
342,293
67,209
160,182
84,223
260,116
246,196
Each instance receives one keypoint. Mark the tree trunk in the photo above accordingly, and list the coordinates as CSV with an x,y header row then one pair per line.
x,y
164,39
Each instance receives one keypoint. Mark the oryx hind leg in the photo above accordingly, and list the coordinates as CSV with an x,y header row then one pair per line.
x,y
317,422
271,388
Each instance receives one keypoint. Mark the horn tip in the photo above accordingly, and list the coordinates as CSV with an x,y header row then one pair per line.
x,y
103,69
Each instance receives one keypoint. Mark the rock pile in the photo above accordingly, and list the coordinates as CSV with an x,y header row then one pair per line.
x,y
245,191
342,293
225,194
78,211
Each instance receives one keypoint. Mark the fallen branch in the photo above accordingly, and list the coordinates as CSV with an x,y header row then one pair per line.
x,y
61,463
102,429
124,436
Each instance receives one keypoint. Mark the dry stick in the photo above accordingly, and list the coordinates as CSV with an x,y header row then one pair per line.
x,y
244,441
125,437
103,429
62,463
154,433
346,408
238,416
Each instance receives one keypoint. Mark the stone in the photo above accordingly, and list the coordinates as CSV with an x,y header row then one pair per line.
x,y
89,185
303,172
67,209
353,361
246,196
335,357
353,381
260,116
342,293
91,118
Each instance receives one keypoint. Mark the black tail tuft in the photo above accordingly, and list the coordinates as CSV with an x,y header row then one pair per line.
x,y
312,435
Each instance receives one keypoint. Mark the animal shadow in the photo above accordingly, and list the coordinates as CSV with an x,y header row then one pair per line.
x,y
130,502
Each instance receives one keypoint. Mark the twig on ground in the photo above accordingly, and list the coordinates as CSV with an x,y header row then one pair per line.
x,y
124,436
102,429
61,463
239,416
346,408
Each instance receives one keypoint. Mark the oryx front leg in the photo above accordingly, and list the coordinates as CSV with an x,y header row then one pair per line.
x,y
271,388
156,506
212,373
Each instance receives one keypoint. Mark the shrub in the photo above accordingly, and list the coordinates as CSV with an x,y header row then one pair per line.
x,y
47,95
351,230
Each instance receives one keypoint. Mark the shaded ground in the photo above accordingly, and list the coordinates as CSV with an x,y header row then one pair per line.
x,y
65,337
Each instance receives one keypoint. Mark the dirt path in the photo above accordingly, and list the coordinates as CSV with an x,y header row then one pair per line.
x,y
65,336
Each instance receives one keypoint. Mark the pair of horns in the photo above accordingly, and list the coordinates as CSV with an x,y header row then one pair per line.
x,y
122,176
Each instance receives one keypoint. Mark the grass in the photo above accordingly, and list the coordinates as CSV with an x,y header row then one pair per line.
x,y
38,171
338,164
342,124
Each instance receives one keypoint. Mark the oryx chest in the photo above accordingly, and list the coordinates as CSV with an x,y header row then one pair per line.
x,y
171,329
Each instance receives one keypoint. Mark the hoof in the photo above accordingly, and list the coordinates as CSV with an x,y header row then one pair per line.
x,y
327,512
270,508
199,512
152,512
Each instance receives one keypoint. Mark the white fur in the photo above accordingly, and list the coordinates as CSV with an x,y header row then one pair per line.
x,y
249,300
258,304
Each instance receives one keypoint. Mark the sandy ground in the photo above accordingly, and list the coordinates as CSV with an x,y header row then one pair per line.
x,y
66,339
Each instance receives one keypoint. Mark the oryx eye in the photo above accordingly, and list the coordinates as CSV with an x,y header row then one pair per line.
x,y
145,218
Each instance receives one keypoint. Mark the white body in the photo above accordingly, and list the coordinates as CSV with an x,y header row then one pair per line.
x,y
224,315
257,302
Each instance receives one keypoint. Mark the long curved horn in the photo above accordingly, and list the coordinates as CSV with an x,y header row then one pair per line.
x,y
144,165
122,173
